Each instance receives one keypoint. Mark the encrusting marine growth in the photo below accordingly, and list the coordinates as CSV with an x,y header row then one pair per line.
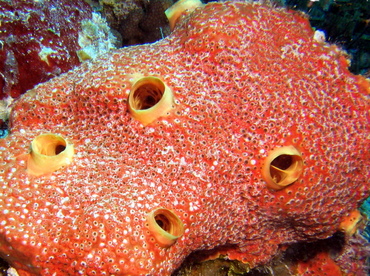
x,y
261,142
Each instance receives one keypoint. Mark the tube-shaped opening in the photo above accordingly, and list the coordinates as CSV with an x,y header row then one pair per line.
x,y
149,99
282,167
176,10
49,152
165,226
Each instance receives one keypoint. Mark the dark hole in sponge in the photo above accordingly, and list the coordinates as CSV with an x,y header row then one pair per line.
x,y
163,222
59,149
282,162
146,96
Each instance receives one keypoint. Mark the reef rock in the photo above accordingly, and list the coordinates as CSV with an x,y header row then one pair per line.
x,y
239,133
38,41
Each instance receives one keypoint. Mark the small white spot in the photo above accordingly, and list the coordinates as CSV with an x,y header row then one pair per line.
x,y
182,161
12,272
45,53
319,36
150,130
253,162
262,151
60,214
64,200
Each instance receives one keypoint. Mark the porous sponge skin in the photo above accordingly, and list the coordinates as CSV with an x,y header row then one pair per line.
x,y
246,79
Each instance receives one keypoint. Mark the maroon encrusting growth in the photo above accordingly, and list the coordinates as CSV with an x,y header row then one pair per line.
x,y
38,41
